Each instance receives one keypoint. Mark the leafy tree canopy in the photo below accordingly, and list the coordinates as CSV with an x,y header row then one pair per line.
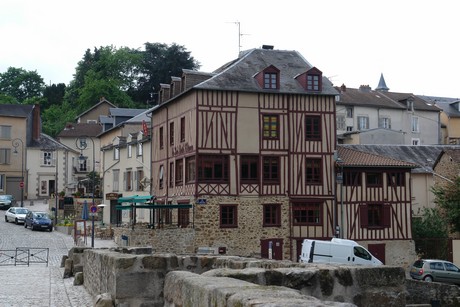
x,y
21,84
448,198
430,225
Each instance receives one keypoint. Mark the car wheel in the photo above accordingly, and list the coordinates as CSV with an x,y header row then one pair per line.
x,y
6,219
428,278
51,229
16,221
25,225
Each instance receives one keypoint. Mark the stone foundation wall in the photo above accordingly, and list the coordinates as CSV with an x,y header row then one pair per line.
x,y
137,277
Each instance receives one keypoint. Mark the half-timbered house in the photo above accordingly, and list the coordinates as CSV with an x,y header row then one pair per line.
x,y
251,148
374,204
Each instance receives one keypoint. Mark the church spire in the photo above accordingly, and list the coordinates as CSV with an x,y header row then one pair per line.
x,y
382,85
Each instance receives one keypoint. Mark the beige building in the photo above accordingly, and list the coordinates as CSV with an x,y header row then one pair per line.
x,y
126,167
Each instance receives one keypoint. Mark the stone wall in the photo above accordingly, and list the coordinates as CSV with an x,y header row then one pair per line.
x,y
244,240
136,277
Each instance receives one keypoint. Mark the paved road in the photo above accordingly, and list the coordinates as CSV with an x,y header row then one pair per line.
x,y
38,284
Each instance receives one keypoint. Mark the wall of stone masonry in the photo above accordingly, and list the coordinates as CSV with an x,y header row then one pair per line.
x,y
135,277
420,292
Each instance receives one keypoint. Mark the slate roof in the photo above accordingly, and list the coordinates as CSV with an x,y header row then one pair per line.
x,y
238,75
390,100
355,158
16,110
125,112
423,156
48,143
81,129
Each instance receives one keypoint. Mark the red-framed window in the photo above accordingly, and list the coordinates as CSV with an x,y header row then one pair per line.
x,y
171,133
396,179
161,136
313,82
313,173
228,216
270,80
190,169
249,169
374,179
375,215
352,178
179,171
171,174
182,129
307,213
271,169
213,168
270,126
272,215
312,128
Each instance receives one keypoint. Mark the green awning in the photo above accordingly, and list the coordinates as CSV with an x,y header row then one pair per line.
x,y
154,206
135,199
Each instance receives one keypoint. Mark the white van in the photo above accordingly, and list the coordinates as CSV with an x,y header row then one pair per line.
x,y
336,251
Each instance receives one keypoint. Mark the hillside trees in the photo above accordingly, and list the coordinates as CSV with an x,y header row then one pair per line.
x,y
21,84
127,77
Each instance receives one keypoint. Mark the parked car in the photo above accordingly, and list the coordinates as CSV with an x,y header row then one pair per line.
x,y
38,220
7,201
16,214
435,270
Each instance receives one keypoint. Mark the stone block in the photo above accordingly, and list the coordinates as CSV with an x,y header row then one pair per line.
x,y
78,279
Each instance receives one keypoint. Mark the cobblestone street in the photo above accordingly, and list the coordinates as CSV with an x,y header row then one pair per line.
x,y
39,284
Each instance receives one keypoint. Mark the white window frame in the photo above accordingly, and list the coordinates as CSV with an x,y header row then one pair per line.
x,y
341,125
5,132
140,149
116,153
385,122
116,180
5,156
349,111
130,150
47,158
415,124
363,121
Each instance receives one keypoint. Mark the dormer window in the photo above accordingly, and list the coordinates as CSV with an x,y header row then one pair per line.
x,y
269,78
311,80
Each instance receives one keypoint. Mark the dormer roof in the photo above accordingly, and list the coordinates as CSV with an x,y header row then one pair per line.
x,y
238,74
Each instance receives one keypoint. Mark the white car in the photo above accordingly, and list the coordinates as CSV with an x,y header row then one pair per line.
x,y
16,214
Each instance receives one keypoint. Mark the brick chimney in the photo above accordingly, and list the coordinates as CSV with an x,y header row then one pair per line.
x,y
343,88
36,123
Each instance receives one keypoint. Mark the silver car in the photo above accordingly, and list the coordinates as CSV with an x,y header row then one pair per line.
x,y
435,270
16,214
7,201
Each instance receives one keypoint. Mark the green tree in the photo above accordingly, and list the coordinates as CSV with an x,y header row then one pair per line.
x,y
448,198
55,117
430,225
160,63
21,84
54,95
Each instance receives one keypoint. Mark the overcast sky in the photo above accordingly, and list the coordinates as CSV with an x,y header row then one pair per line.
x,y
414,43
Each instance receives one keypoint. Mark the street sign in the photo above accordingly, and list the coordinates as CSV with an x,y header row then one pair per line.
x,y
93,209
21,184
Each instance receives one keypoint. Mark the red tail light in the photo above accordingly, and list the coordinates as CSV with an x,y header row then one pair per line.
x,y
420,272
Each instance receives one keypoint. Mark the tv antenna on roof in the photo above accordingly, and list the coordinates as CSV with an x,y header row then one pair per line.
x,y
239,35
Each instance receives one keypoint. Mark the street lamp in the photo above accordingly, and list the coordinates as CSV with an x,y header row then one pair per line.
x,y
16,142
82,145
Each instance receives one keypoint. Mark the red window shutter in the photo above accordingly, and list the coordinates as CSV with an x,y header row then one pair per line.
x,y
386,215
363,215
